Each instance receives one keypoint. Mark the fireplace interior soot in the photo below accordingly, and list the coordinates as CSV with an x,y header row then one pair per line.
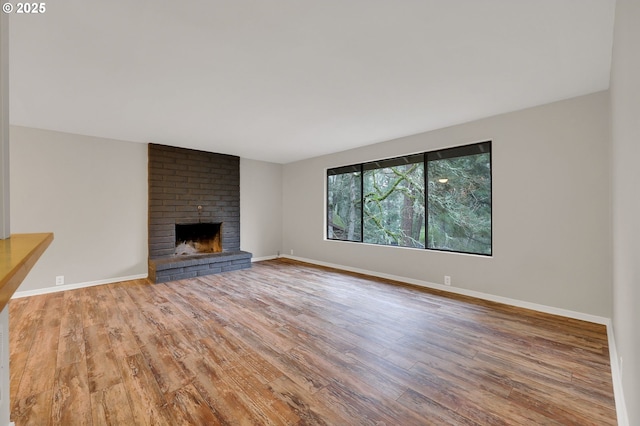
x,y
197,238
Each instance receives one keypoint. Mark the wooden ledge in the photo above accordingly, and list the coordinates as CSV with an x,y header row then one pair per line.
x,y
18,254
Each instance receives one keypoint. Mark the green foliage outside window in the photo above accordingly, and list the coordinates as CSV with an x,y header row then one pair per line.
x,y
459,204
384,202
344,210
394,205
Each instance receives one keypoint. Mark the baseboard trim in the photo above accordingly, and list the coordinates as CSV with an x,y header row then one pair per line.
x,y
616,377
465,292
48,290
260,259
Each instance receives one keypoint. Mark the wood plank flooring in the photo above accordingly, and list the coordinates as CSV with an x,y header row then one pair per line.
x,y
286,343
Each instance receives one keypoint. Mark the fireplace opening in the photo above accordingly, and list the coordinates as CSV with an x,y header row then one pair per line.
x,y
196,238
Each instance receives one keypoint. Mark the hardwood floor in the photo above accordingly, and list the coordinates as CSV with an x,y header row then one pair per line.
x,y
290,343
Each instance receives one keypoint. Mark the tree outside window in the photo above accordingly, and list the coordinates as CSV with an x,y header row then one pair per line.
x,y
392,202
344,204
459,203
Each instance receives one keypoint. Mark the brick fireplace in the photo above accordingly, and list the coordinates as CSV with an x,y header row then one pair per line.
x,y
194,214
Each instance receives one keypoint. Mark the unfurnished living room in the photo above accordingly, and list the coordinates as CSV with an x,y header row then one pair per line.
x,y
320,212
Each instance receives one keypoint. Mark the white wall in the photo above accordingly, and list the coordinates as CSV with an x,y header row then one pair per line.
x,y
625,120
91,193
5,410
260,207
4,127
551,209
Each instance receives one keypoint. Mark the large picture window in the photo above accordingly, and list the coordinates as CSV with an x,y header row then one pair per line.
x,y
439,200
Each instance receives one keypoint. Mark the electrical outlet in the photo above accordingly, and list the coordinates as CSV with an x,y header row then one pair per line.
x,y
447,280
60,280
291,252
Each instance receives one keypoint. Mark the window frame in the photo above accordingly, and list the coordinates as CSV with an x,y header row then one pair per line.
x,y
484,147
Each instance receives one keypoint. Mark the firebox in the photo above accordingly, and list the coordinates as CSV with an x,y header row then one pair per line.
x,y
196,238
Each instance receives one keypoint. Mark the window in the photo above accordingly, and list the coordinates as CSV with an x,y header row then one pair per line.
x,y
344,203
459,199
394,202
439,200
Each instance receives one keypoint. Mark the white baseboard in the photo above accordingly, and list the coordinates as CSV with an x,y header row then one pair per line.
x,y
47,290
472,293
616,377
260,259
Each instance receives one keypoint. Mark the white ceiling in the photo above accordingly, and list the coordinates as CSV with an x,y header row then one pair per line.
x,y
283,80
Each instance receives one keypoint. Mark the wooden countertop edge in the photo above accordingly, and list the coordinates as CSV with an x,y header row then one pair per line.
x,y
28,248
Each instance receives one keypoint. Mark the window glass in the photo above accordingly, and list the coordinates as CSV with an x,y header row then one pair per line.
x,y
394,205
459,203
344,204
